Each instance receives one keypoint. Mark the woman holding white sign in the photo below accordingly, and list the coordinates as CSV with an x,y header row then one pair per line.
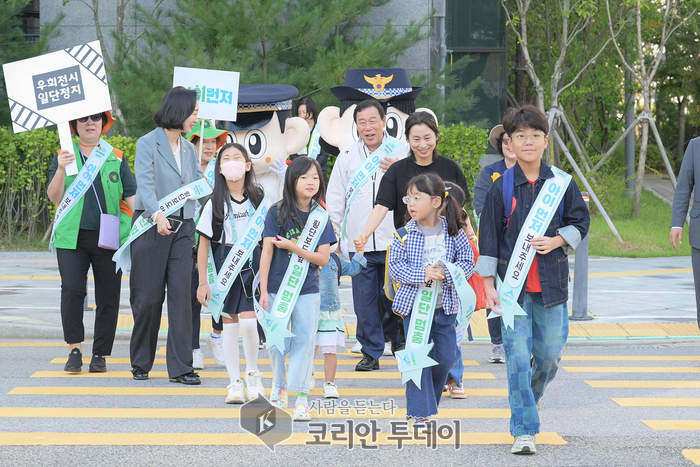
x,y
167,175
79,234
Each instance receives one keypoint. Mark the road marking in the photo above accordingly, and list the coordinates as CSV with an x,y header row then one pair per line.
x,y
651,272
631,369
197,391
261,361
681,358
32,345
223,374
693,455
228,439
645,384
657,401
228,413
673,424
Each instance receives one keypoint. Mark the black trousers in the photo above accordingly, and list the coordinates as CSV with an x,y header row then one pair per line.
x,y
157,262
73,266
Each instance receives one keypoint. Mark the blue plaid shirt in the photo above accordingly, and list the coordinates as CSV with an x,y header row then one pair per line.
x,y
406,267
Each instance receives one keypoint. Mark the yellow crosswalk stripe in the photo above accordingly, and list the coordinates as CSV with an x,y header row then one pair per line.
x,y
631,369
644,384
693,455
657,401
199,391
223,374
672,424
228,412
227,439
261,361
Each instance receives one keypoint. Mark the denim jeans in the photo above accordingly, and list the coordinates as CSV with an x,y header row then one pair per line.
x,y
457,370
301,347
423,403
541,334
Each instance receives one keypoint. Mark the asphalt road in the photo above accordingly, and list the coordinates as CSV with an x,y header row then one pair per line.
x,y
596,424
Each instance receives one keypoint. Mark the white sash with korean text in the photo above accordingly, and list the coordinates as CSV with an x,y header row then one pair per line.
x,y
242,251
313,149
275,322
169,204
390,146
538,219
82,183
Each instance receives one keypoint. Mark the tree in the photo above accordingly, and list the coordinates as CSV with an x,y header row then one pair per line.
x,y
678,86
654,24
306,43
15,46
118,33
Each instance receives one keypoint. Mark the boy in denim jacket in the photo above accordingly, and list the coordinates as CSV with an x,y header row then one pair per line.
x,y
542,333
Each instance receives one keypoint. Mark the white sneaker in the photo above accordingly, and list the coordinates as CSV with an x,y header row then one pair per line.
x,y
357,348
254,386
498,354
387,349
235,393
524,445
197,359
330,390
217,348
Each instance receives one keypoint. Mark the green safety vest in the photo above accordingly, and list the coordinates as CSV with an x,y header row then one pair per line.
x,y
110,173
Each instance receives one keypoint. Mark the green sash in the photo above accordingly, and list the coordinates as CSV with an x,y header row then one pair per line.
x,y
276,320
538,219
390,146
82,183
169,204
235,260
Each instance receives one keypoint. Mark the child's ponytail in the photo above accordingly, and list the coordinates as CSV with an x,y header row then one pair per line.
x,y
453,215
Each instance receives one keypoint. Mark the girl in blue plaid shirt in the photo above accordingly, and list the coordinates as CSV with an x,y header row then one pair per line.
x,y
430,238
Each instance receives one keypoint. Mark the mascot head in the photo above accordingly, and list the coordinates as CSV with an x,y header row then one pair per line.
x,y
390,86
264,124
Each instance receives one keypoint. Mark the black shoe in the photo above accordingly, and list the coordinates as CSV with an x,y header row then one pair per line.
x,y
139,374
75,362
187,378
98,364
367,364
397,347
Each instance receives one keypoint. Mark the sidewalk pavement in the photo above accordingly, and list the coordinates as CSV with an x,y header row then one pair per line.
x,y
647,298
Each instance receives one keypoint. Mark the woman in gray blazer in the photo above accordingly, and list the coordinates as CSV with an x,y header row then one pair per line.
x,y
165,161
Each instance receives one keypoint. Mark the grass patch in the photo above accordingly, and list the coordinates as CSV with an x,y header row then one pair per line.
x,y
644,237
20,243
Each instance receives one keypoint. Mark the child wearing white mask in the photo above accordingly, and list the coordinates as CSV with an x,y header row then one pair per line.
x,y
224,217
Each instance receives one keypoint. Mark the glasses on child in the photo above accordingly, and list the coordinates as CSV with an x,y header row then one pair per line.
x,y
521,137
95,118
415,199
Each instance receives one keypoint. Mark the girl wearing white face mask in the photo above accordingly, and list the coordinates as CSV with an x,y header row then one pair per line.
x,y
224,217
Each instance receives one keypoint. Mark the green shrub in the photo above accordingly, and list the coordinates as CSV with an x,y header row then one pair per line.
x,y
24,163
466,145
126,144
